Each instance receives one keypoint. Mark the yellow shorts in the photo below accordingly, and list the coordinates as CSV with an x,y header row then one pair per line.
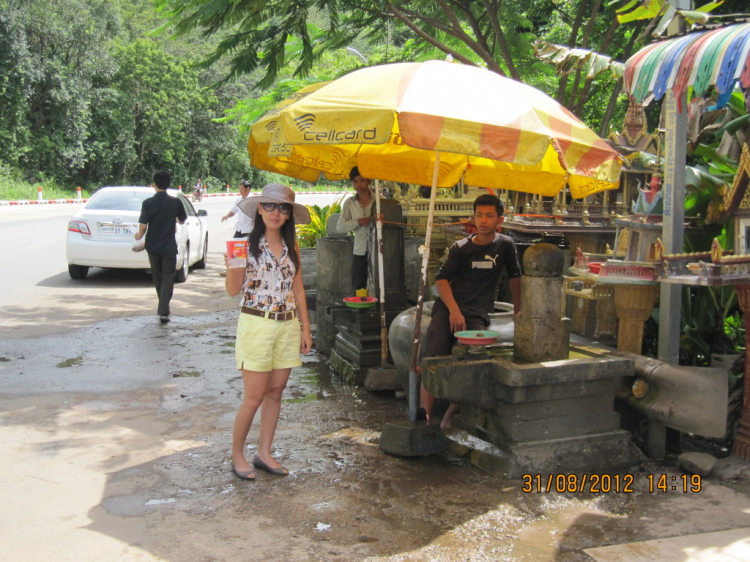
x,y
264,344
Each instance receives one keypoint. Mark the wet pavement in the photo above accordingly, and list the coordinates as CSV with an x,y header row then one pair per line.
x,y
115,445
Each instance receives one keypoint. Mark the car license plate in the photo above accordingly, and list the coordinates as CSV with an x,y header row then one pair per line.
x,y
114,230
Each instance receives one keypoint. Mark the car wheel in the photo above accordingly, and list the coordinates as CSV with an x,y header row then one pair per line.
x,y
78,271
181,274
201,263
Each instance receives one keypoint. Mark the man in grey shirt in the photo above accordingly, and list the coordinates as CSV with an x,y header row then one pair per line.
x,y
355,217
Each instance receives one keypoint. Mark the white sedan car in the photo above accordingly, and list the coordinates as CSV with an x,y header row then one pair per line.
x,y
101,234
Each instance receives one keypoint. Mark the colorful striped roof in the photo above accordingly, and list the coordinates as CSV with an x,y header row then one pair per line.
x,y
717,58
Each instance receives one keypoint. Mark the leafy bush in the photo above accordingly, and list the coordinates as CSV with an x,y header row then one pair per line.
x,y
308,234
14,188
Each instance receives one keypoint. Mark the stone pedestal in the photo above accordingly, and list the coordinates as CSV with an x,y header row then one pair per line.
x,y
546,407
359,334
309,265
542,334
357,345
393,257
333,283
556,416
741,448
633,304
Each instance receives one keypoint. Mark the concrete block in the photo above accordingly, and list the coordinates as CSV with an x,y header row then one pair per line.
x,y
407,440
347,370
696,463
568,406
311,303
378,379
503,432
600,453
539,393
356,353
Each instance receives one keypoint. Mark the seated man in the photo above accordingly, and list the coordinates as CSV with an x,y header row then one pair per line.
x,y
467,284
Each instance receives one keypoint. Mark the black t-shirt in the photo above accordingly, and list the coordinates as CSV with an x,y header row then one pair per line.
x,y
474,271
160,213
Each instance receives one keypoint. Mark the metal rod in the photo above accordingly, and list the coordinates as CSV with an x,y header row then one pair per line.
x,y
420,298
381,279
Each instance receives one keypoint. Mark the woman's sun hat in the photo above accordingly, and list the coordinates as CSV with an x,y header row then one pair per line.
x,y
274,193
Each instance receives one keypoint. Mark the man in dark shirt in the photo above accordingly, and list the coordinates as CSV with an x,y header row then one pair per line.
x,y
159,214
467,284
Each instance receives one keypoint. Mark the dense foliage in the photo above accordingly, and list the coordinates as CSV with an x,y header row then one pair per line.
x,y
496,34
89,97
106,91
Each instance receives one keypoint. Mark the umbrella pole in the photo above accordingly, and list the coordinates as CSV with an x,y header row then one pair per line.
x,y
413,391
381,279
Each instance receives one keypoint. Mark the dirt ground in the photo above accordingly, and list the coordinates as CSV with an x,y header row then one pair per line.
x,y
115,445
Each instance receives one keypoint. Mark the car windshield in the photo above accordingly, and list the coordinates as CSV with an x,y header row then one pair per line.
x,y
106,200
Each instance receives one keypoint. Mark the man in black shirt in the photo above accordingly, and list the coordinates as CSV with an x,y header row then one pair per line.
x,y
160,214
467,283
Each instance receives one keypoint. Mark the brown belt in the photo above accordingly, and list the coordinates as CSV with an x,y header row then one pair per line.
x,y
280,316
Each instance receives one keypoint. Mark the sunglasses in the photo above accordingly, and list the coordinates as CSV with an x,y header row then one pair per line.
x,y
284,208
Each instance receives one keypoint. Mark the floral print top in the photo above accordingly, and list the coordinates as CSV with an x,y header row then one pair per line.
x,y
268,282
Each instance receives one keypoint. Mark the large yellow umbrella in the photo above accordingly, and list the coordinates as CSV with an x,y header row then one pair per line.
x,y
391,120
430,124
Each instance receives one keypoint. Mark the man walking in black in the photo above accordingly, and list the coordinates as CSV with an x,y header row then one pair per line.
x,y
159,214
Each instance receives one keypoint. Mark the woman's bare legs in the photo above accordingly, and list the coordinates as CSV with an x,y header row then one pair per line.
x,y
255,384
269,414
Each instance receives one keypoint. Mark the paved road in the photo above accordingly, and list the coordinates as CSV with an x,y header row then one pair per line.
x,y
38,297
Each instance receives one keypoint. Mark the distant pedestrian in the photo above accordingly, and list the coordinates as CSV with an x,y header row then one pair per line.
x,y
244,224
160,214
273,328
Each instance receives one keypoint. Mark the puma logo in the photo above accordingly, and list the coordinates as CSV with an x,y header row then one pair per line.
x,y
489,264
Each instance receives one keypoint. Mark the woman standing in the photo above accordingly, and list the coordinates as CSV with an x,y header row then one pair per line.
x,y
273,328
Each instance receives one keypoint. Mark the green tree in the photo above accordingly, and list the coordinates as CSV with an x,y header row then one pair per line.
x,y
55,59
89,96
497,34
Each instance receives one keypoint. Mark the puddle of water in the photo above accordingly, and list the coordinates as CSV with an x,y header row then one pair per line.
x,y
72,362
226,352
159,502
229,344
